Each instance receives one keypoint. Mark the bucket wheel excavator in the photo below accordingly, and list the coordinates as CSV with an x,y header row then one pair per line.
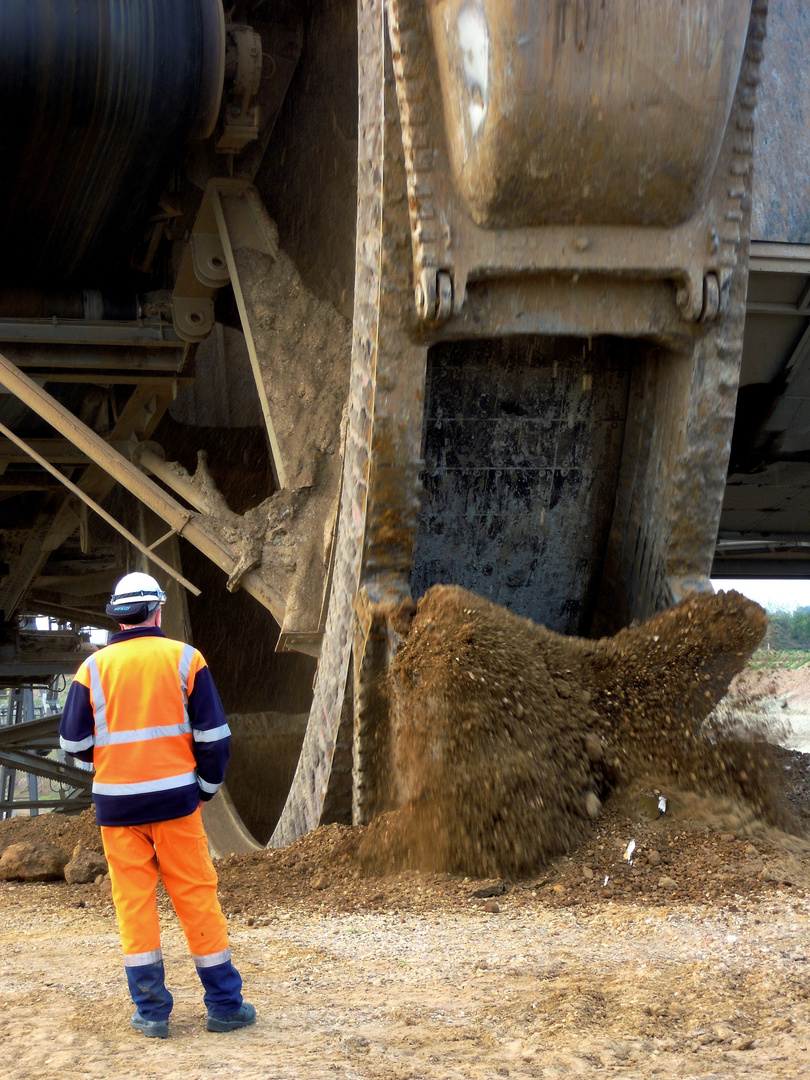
x,y
309,306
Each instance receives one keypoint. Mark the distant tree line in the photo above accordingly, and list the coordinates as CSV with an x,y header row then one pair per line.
x,y
788,629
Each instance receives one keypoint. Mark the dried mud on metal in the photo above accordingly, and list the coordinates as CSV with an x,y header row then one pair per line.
x,y
660,931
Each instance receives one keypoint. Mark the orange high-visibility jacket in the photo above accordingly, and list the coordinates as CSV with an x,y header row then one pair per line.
x,y
145,710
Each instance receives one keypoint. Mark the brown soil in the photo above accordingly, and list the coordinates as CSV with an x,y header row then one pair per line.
x,y
508,737
64,830
712,849
531,758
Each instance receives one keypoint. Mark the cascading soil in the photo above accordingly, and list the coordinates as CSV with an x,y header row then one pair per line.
x,y
507,737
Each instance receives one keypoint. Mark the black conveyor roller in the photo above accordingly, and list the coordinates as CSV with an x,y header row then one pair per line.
x,y
97,99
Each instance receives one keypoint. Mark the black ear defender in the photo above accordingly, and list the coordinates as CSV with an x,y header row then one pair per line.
x,y
131,614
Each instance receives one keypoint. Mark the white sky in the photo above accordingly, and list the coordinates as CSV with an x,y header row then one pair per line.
x,y
773,594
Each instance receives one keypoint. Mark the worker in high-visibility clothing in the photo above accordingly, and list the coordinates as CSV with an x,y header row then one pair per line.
x,y
144,710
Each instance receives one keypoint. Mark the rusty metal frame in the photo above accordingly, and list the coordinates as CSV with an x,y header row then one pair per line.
x,y
102,513
193,527
231,215
450,250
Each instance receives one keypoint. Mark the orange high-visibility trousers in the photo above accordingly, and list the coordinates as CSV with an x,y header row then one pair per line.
x,y
177,850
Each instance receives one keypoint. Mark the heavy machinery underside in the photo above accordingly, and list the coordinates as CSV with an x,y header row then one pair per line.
x,y
307,307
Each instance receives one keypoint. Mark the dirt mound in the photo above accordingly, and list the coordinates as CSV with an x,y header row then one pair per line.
x,y
507,736
703,850
772,694
62,829
510,738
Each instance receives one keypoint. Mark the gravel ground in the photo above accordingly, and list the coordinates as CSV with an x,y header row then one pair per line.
x,y
678,990
693,962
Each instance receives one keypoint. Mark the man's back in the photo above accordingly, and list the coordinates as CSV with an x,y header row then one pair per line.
x,y
146,680
145,710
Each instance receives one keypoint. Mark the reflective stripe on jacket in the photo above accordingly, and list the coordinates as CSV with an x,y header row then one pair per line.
x,y
146,708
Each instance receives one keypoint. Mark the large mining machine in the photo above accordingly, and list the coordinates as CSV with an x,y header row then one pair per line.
x,y
307,305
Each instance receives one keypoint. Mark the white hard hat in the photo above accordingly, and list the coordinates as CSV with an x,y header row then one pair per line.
x,y
134,598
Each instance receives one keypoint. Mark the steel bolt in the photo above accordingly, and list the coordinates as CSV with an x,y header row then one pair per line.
x,y
419,296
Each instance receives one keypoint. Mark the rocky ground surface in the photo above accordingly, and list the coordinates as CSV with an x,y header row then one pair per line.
x,y
691,961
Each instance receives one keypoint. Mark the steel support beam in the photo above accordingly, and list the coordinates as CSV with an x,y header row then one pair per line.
x,y
42,766
90,584
776,565
102,513
56,451
18,485
223,207
39,603
146,333
39,734
181,521
72,803
141,414
231,216
25,670
26,566
779,258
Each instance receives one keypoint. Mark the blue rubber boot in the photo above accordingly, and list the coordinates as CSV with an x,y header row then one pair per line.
x,y
244,1016
222,984
152,1029
152,1000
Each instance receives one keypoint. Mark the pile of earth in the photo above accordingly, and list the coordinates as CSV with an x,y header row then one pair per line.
x,y
701,850
507,737
60,829
569,770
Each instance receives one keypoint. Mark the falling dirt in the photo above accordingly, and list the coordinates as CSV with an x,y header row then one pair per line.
x,y
507,737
